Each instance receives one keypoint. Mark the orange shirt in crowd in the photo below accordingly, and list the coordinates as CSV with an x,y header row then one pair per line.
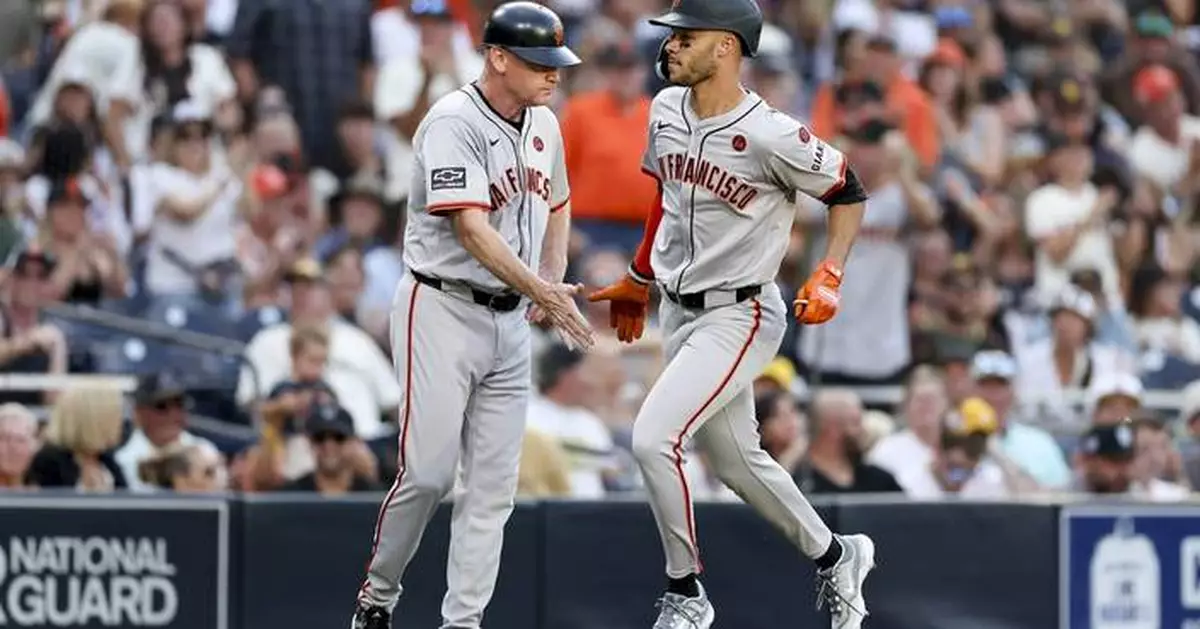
x,y
604,143
906,102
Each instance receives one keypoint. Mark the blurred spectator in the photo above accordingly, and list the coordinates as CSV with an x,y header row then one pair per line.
x,y
1151,44
834,461
160,427
433,64
331,433
609,204
1031,448
89,265
85,426
868,342
544,471
924,404
1069,220
320,54
357,371
972,131
1163,149
356,217
361,169
169,69
346,279
559,411
1114,397
1105,464
960,465
182,469
1156,303
192,249
1189,425
1070,358
1157,464
18,443
783,431
915,30
30,344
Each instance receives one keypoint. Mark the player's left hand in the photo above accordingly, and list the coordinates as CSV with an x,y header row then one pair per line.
x,y
817,301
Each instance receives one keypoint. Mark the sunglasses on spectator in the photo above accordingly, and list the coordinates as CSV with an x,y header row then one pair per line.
x,y
322,437
166,405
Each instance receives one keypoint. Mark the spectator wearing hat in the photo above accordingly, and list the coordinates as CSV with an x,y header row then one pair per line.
x,y
18,443
196,199
28,343
326,57
357,370
160,424
170,69
410,82
1031,448
1155,302
1164,148
1070,359
559,410
1104,465
330,431
960,465
1113,397
1071,108
356,217
90,265
1157,462
834,460
609,204
1152,44
1069,218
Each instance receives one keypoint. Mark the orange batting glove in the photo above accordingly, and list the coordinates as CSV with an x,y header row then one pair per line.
x,y
817,301
627,312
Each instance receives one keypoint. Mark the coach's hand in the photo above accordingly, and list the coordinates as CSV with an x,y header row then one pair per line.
x,y
817,301
555,304
627,312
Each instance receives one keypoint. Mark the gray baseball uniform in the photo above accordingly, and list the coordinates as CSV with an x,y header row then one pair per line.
x,y
461,344
728,186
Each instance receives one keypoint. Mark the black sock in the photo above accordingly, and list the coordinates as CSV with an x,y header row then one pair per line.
x,y
687,586
831,556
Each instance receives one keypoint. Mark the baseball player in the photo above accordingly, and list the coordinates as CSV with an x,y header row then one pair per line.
x,y
487,228
729,169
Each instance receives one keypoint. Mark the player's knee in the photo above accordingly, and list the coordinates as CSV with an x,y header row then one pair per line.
x,y
650,443
436,483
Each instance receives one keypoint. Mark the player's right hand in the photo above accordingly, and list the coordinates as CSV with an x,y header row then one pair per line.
x,y
627,312
556,304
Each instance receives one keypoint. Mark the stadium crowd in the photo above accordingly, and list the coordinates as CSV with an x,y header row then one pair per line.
x,y
238,169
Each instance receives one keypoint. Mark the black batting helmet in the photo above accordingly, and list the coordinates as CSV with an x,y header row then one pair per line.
x,y
531,32
740,17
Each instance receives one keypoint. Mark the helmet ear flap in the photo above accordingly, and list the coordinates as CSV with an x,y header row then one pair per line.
x,y
660,62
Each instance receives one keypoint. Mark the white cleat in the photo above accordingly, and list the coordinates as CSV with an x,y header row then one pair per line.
x,y
680,612
840,588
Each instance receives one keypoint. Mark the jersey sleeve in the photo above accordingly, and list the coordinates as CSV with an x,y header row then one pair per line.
x,y
455,173
797,160
560,186
650,156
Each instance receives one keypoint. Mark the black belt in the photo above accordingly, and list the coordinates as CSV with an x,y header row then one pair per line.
x,y
505,302
698,301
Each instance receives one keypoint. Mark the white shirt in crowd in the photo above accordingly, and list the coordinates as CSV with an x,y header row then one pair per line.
x,y
394,35
914,33
919,483
206,239
105,213
1051,209
93,55
900,452
1038,385
359,374
209,86
138,448
1162,162
586,440
1157,490
1178,337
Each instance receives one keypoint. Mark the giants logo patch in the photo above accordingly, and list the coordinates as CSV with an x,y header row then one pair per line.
x,y
449,178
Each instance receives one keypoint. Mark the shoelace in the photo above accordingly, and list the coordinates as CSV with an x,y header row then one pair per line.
x,y
830,596
674,610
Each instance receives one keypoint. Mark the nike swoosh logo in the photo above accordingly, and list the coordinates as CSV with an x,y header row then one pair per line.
x,y
662,124
495,142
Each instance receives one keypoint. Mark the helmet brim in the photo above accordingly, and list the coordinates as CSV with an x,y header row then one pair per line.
x,y
548,56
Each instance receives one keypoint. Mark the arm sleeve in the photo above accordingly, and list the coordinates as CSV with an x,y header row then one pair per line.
x,y
797,160
560,187
640,268
452,161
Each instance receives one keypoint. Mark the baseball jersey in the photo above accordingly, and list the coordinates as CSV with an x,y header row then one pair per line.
x,y
468,156
729,184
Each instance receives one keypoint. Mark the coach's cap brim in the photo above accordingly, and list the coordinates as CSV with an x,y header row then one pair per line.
x,y
548,56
